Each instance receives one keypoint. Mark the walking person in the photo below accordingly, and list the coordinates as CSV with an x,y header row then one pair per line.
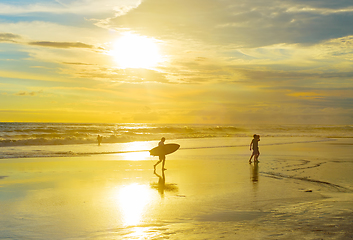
x,y
99,139
161,157
254,145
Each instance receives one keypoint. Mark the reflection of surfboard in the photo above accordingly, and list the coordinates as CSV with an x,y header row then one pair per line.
x,y
167,149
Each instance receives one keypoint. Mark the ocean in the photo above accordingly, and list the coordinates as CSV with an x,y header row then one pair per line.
x,y
24,140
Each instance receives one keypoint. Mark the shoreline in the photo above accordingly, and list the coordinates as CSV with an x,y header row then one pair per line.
x,y
297,190
78,150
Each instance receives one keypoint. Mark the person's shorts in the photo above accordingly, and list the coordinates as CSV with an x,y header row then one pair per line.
x,y
256,151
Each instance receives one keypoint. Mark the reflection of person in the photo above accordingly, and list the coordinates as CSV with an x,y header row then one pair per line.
x,y
99,139
161,182
161,157
255,172
254,145
162,186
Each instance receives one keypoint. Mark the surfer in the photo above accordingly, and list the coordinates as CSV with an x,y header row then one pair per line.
x,y
161,157
254,145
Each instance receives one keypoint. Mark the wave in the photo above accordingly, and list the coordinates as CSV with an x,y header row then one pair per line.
x,y
52,140
61,134
31,134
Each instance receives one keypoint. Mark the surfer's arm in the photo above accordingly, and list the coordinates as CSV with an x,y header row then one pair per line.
x,y
252,142
161,145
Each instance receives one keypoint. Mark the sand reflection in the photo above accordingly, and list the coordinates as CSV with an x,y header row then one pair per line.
x,y
137,151
133,200
162,186
254,173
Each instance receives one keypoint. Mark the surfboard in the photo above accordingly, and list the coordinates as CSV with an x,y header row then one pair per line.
x,y
167,149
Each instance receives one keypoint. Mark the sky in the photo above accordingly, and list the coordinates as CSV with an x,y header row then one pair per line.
x,y
177,61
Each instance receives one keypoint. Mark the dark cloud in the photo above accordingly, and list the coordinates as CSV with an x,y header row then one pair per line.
x,y
338,4
61,44
77,63
9,37
246,23
24,93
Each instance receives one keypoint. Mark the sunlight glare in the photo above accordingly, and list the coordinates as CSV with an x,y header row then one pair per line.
x,y
137,151
135,51
133,200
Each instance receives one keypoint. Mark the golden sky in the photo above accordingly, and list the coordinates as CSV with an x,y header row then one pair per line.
x,y
177,61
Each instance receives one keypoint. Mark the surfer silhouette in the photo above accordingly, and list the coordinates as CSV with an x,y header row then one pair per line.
x,y
99,139
254,145
161,157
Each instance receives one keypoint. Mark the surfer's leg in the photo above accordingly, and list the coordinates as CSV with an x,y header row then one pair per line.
x,y
163,163
256,154
160,160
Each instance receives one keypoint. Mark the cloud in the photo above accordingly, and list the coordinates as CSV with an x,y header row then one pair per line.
x,y
77,63
278,76
130,75
81,7
61,44
306,95
24,93
46,30
244,23
9,37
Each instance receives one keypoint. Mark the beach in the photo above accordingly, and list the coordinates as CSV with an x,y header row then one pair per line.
x,y
302,188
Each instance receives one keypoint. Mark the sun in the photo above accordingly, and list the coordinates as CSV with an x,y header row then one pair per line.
x,y
135,51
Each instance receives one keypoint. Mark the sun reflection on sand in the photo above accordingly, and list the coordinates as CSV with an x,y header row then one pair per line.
x,y
132,201
137,151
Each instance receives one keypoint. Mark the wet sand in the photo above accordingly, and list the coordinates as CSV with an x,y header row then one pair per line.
x,y
297,191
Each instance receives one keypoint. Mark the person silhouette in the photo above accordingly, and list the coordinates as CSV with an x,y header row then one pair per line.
x,y
161,157
254,145
99,139
256,159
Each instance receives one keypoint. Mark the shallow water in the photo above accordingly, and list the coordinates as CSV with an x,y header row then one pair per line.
x,y
21,140
299,190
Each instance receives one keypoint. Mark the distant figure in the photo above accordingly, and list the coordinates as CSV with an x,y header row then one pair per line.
x,y
99,139
161,157
258,150
254,145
